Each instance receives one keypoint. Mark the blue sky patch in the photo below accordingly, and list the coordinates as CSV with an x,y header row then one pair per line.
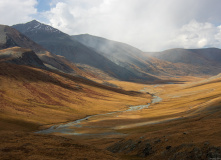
x,y
43,5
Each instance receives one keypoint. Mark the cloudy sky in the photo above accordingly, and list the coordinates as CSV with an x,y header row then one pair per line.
x,y
150,25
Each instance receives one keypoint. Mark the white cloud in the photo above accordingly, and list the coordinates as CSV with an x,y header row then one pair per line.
x,y
148,25
16,11
196,35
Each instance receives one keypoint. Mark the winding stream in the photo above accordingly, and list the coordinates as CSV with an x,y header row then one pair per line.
x,y
65,128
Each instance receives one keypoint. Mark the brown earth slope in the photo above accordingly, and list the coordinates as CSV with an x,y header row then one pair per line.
x,y
184,125
32,98
37,97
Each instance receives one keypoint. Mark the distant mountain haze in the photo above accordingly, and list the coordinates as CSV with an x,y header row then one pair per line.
x,y
112,49
174,62
196,62
96,55
62,44
212,54
119,53
190,56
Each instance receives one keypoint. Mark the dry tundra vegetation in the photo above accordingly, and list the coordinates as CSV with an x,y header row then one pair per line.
x,y
184,125
105,99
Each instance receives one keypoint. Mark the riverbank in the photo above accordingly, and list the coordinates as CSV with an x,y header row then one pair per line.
x,y
72,127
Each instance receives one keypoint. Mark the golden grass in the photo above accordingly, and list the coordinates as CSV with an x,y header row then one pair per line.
x,y
42,97
27,146
33,99
182,108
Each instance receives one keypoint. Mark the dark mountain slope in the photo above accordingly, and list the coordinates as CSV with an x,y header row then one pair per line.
x,y
190,56
120,60
212,54
196,62
10,37
112,49
21,56
120,53
62,44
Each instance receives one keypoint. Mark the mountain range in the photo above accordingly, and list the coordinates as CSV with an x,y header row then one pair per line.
x,y
195,62
60,92
209,56
62,44
99,58
10,37
169,63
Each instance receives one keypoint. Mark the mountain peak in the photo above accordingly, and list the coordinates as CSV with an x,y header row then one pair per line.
x,y
35,26
34,21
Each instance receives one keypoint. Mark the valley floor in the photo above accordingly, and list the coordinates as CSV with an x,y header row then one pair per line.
x,y
183,124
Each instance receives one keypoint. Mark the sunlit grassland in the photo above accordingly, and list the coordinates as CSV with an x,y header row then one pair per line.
x,y
40,97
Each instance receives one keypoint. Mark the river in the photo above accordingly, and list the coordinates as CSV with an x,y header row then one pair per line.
x,y
65,128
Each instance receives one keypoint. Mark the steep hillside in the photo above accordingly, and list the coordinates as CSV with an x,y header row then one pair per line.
x,y
165,65
10,37
208,56
62,44
169,69
103,58
35,96
188,129
116,51
21,56
196,62
212,54
120,53
183,125
32,98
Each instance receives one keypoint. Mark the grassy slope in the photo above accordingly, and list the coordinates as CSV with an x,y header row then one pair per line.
x,y
32,97
197,105
29,146
194,135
